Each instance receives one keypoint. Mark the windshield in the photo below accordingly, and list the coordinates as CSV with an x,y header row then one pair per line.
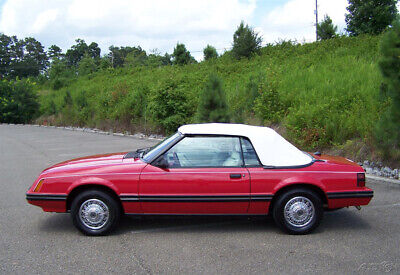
x,y
160,147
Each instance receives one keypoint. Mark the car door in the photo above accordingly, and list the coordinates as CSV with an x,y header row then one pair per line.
x,y
200,175
262,180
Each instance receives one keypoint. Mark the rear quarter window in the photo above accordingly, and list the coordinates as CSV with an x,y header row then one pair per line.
x,y
249,154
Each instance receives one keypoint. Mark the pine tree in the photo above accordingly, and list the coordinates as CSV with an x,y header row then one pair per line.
x,y
212,105
246,42
181,55
326,29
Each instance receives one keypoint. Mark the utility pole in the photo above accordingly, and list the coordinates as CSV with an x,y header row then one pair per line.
x,y
316,20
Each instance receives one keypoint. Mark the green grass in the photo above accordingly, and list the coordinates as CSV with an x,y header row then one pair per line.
x,y
328,92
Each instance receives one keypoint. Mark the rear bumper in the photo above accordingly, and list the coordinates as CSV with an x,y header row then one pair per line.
x,y
48,202
349,198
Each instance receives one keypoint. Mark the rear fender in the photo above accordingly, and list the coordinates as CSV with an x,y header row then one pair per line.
x,y
296,180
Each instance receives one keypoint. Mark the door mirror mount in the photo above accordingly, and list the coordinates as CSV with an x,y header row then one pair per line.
x,y
161,162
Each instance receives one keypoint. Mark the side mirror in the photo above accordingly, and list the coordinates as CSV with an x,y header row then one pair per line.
x,y
161,162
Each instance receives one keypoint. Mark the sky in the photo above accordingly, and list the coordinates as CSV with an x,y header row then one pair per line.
x,y
157,25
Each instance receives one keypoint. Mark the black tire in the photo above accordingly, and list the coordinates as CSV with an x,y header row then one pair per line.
x,y
97,205
308,214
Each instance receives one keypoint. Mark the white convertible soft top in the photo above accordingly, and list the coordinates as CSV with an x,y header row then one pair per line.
x,y
272,149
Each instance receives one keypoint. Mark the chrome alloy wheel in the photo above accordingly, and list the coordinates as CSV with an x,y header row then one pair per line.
x,y
299,211
94,213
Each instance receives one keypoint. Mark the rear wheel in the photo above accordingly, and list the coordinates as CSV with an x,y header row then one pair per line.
x,y
95,212
298,211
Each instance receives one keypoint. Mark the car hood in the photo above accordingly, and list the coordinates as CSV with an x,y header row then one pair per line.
x,y
95,159
95,163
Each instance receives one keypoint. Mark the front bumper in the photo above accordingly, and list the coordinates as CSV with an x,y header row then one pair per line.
x,y
48,202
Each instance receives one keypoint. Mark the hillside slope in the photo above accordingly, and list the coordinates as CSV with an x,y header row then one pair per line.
x,y
319,94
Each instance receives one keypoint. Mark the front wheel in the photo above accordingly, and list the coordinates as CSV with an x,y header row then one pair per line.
x,y
298,211
95,212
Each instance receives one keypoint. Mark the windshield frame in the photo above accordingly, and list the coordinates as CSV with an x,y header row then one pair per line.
x,y
162,147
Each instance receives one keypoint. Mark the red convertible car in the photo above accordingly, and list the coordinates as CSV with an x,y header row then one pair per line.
x,y
203,169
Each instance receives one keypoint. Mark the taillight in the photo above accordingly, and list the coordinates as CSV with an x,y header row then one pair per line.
x,y
360,179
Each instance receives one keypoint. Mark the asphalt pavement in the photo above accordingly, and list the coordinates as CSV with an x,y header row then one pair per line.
x,y
32,241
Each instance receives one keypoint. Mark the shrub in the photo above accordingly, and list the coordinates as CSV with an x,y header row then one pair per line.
x,y
18,101
48,106
170,106
133,107
87,66
82,108
243,99
269,106
67,99
59,74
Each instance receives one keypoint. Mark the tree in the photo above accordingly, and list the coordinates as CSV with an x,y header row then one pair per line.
x,y
21,57
6,53
136,57
388,129
34,56
54,52
76,52
59,73
105,62
326,29
118,55
155,59
212,106
181,56
246,42
210,52
166,59
370,16
94,50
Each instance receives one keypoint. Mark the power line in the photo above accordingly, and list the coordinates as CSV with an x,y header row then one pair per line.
x,y
223,49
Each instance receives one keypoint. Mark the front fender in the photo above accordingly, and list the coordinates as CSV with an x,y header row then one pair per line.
x,y
92,180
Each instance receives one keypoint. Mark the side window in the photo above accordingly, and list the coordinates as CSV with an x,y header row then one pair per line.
x,y
250,156
202,151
